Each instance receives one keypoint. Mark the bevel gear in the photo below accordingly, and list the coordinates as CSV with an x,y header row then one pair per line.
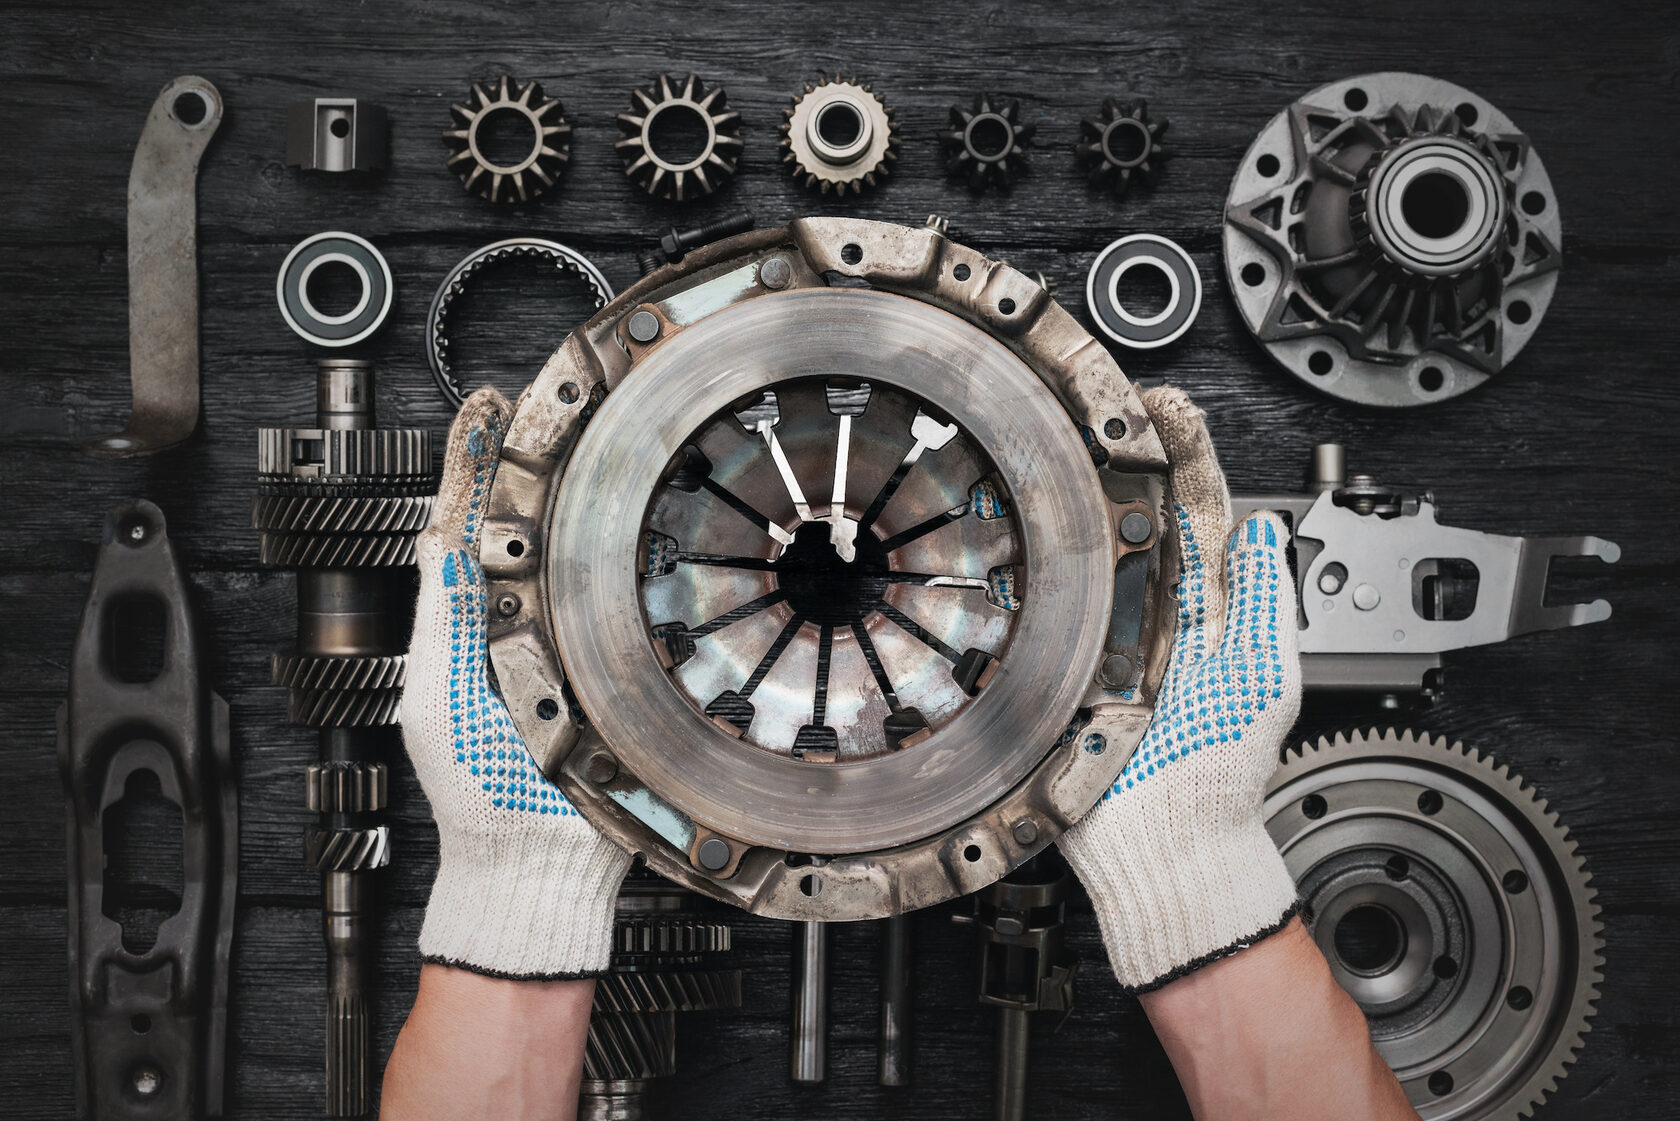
x,y
533,173
986,144
839,135
1452,905
1122,147
679,176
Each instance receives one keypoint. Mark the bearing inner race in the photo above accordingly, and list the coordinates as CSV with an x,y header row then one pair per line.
x,y
1435,207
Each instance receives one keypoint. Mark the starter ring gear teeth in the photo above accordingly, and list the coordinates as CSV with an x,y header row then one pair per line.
x,y
337,550
347,850
564,257
341,514
537,171
323,453
1445,841
835,159
346,787
1122,147
658,173
987,144
1392,239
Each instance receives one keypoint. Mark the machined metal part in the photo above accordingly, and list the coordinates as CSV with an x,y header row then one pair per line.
x,y
986,144
657,161
1122,148
1385,589
335,134
840,589
342,502
670,955
898,1001
1392,239
532,173
1025,965
148,1023
163,270
1127,326
839,135
808,1060
374,285
1452,905
566,260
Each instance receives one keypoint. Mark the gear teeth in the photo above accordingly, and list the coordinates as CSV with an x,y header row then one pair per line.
x,y
1117,169
860,172
622,1048
377,550
306,672
991,166
346,787
333,709
330,514
538,170
672,937
662,177
347,850
318,453
678,991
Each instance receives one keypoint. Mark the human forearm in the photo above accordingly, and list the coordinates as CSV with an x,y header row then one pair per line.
x,y
477,1046
1253,1037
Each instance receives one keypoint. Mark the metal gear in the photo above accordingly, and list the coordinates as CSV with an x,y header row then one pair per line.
x,y
648,158
347,850
987,145
1392,239
530,175
291,513
329,453
839,135
1122,146
1452,905
354,787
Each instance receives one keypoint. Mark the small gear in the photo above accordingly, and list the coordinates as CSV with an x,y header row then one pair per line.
x,y
298,671
690,990
649,158
1122,147
1452,905
336,550
532,174
987,144
346,787
320,453
839,136
347,850
667,936
341,514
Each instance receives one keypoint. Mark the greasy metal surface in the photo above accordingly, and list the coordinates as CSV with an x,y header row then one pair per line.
x,y
1368,288
163,270
668,795
148,1024
1452,905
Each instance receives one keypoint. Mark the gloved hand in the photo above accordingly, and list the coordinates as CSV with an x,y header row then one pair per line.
x,y
1176,858
525,886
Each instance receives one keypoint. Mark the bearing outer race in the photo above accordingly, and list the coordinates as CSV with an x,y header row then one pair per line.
x,y
1174,321
294,305
734,786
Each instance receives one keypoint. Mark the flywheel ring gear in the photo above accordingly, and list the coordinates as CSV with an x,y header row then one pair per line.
x,y
839,135
843,502
679,176
1452,905
533,173
1392,239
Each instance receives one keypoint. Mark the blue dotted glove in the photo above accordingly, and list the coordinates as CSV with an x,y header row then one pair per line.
x,y
1176,857
525,886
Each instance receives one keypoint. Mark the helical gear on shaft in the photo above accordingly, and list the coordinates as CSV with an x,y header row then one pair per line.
x,y
530,175
1122,147
838,135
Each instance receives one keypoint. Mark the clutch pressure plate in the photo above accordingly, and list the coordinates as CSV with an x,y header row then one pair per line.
x,y
826,569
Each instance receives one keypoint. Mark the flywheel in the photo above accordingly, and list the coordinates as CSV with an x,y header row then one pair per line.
x,y
1452,905
826,569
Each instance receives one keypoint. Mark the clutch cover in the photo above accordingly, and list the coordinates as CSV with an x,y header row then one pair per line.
x,y
826,569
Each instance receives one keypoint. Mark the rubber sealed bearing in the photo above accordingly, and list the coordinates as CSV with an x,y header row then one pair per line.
x,y
373,276
653,149
839,136
820,549
1126,326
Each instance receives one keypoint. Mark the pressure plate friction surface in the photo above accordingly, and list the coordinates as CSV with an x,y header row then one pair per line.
x,y
947,674
1392,239
1452,905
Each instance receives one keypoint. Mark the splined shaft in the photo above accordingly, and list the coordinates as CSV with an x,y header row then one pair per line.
x,y
342,503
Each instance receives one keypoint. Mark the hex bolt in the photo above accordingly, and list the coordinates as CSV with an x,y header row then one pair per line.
x,y
602,768
1135,528
714,854
775,273
507,605
1025,832
644,326
674,242
1329,582
1366,597
939,224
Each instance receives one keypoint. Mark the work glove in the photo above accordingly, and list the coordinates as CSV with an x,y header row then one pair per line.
x,y
1175,857
525,886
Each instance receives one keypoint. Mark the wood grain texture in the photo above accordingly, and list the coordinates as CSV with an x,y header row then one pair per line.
x,y
1579,436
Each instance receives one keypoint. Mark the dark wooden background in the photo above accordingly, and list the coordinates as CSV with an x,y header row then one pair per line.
x,y
1577,437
